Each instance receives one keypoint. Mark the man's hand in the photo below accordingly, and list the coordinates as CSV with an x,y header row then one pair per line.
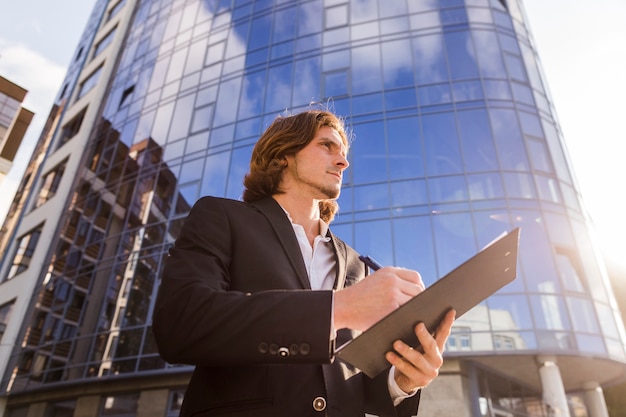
x,y
361,305
417,368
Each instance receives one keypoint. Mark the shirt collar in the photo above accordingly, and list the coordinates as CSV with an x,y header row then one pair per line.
x,y
323,225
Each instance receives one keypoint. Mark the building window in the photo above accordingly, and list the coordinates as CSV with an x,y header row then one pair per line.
x,y
50,184
24,252
5,315
63,408
115,9
104,42
504,342
122,405
460,339
8,109
175,402
72,127
79,54
126,95
570,269
89,83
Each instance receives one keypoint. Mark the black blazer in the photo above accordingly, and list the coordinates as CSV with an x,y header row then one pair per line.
x,y
235,301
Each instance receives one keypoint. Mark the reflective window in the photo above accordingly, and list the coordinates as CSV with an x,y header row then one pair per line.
x,y
60,408
515,67
583,316
606,317
509,312
279,86
120,405
434,94
366,70
428,54
461,56
371,197
508,139
50,184
485,186
569,269
89,82
479,153
368,153
372,238
460,339
104,42
260,31
5,316
454,240
549,312
404,145
413,248
398,99
590,344
336,16
201,118
447,189
175,402
538,153
467,91
25,248
556,152
307,81
548,189
443,154
397,63
535,260
519,185
589,266
71,128
115,9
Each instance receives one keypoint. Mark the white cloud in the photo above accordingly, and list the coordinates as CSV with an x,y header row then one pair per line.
x,y
32,71
42,78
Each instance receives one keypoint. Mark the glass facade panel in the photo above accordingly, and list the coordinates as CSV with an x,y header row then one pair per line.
x,y
443,154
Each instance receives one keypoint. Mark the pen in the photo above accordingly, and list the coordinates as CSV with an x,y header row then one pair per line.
x,y
374,266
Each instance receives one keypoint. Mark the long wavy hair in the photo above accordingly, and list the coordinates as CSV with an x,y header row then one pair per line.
x,y
286,136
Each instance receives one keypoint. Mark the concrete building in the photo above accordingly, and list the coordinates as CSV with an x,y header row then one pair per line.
x,y
14,121
456,142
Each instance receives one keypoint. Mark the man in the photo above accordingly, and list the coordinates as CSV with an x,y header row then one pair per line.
x,y
257,294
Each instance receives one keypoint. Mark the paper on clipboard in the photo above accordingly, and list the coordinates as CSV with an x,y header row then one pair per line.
x,y
461,289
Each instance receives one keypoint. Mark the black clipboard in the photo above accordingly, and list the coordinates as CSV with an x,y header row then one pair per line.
x,y
461,289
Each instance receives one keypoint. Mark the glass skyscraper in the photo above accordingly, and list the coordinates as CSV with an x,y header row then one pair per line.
x,y
456,141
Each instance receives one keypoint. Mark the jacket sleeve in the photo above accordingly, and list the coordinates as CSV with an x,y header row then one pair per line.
x,y
200,320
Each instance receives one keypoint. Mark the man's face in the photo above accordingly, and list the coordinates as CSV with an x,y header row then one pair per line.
x,y
316,170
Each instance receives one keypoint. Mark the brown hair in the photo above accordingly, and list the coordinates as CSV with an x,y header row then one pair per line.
x,y
286,136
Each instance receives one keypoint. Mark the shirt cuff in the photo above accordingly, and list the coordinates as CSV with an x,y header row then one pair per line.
x,y
397,393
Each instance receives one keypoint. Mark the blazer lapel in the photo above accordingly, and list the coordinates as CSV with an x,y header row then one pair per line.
x,y
285,234
341,255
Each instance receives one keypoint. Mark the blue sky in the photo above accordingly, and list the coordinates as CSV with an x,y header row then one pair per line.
x,y
580,44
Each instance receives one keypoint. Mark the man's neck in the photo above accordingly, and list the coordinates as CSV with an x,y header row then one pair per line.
x,y
304,212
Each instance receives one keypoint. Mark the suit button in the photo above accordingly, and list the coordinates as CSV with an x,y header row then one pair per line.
x,y
273,349
263,348
283,352
293,349
319,404
305,349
